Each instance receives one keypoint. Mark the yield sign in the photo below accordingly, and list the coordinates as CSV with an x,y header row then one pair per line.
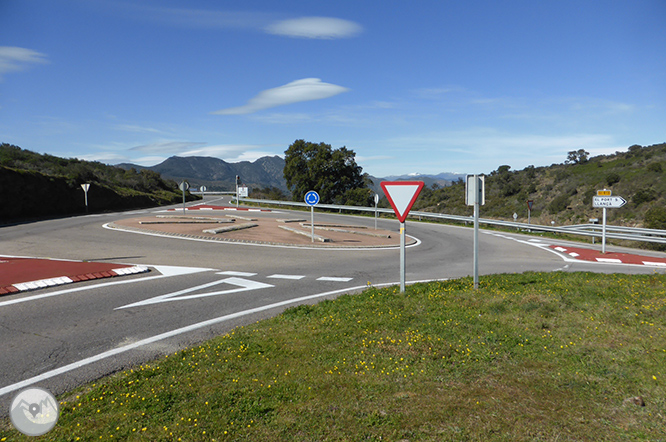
x,y
402,195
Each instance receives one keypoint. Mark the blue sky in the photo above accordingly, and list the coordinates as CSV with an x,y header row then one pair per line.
x,y
426,86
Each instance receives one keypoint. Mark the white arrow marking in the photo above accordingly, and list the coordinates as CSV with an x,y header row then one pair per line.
x,y
242,284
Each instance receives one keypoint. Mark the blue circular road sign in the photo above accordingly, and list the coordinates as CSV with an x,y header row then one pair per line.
x,y
311,198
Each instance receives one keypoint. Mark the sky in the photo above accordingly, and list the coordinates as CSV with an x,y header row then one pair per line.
x,y
425,86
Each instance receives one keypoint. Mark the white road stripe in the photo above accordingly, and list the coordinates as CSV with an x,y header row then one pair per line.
x,y
166,271
294,277
651,263
613,260
232,273
334,279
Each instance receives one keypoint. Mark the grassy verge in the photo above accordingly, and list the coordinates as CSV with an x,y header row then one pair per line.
x,y
534,356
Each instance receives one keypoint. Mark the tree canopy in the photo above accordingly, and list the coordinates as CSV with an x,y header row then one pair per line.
x,y
333,173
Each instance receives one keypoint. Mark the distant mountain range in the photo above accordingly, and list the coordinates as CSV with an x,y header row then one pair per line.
x,y
217,174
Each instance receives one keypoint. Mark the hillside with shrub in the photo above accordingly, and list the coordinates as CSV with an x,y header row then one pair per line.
x,y
36,185
563,192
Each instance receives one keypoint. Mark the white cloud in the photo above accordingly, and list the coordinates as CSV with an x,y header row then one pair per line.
x,y
228,152
315,27
301,27
307,89
14,59
167,146
137,129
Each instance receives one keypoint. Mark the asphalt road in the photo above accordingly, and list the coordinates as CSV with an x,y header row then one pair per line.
x,y
61,337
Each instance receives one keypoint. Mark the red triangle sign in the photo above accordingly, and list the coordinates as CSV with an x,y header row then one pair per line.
x,y
402,196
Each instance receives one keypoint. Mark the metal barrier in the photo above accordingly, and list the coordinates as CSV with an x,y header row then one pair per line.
x,y
591,230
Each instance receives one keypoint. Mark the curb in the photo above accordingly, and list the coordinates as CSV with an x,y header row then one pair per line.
x,y
51,282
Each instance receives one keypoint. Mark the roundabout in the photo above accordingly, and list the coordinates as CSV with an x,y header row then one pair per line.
x,y
227,224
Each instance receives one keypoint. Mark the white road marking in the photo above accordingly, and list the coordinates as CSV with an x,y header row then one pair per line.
x,y
179,331
334,279
560,249
279,246
613,260
651,263
242,284
166,271
232,273
294,277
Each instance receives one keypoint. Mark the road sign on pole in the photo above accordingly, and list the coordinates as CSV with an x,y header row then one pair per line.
x,y
402,195
604,200
376,202
312,199
184,186
475,190
85,188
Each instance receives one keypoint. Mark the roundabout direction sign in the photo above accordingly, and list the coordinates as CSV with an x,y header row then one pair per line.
x,y
312,199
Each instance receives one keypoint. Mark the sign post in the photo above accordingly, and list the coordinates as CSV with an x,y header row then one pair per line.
x,y
203,193
475,195
402,196
184,186
376,202
312,199
604,200
85,188
238,182
530,203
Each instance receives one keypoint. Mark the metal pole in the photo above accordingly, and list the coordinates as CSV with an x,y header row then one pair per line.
x,y
312,222
603,234
402,257
86,192
183,199
375,215
476,245
476,232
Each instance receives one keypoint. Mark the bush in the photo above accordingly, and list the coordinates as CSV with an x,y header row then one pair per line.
x,y
612,178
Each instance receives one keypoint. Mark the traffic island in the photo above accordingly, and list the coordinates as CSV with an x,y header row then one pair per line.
x,y
267,228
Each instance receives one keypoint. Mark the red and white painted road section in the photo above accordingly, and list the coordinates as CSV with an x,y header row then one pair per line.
x,y
211,207
591,255
574,254
24,274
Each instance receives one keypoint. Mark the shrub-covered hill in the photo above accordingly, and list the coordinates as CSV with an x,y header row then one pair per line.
x,y
36,185
563,192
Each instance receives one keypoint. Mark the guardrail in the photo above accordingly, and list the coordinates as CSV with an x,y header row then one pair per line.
x,y
590,230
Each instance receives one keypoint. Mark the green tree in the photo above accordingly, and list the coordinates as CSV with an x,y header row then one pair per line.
x,y
331,172
577,156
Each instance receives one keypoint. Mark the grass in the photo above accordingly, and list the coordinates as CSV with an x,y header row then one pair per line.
x,y
534,356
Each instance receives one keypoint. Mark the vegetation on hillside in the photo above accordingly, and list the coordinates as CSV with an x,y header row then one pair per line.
x,y
44,185
563,192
